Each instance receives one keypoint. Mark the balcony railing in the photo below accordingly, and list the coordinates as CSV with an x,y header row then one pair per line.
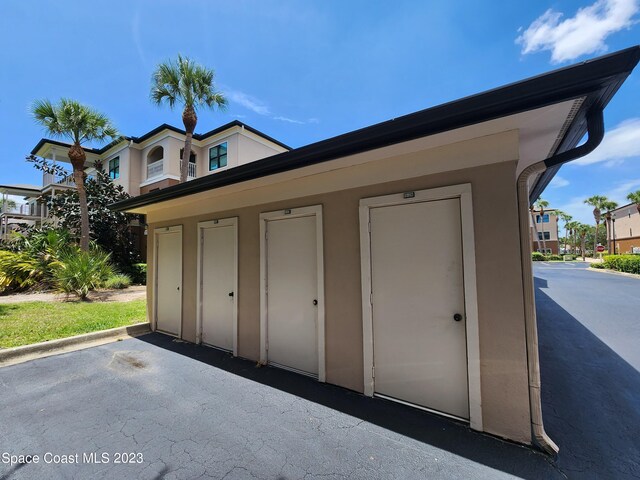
x,y
155,169
51,179
22,209
191,172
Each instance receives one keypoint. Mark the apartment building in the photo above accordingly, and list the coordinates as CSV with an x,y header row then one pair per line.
x,y
140,164
624,229
544,234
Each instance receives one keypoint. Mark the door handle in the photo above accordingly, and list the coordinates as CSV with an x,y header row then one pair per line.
x,y
231,294
315,302
457,317
178,288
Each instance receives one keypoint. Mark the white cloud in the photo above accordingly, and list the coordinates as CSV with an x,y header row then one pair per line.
x,y
288,120
559,182
582,212
581,34
248,102
620,143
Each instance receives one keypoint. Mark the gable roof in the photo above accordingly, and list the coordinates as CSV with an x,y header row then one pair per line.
x,y
155,131
596,80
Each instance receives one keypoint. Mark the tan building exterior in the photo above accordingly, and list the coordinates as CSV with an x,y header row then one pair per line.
x,y
624,229
544,234
368,260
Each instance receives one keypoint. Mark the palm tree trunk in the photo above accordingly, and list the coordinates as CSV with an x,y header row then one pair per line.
x,y
184,165
78,157
595,242
544,242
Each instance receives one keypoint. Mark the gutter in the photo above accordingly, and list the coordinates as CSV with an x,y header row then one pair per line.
x,y
595,128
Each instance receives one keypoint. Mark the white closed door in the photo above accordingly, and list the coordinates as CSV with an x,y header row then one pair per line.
x,y
169,282
218,270
419,332
292,294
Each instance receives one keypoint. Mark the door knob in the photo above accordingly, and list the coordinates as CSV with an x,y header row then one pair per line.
x,y
315,302
457,317
231,294
178,288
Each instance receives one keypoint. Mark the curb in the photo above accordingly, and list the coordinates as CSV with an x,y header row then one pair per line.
x,y
613,272
72,343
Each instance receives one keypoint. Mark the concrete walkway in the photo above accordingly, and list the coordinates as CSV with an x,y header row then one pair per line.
x,y
188,412
136,292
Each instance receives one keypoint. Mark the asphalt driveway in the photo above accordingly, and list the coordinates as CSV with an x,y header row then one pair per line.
x,y
185,411
589,334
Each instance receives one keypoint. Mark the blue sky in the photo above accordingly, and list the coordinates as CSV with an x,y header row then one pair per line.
x,y
303,71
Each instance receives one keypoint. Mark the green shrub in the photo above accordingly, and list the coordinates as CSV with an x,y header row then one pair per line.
x,y
79,272
598,265
117,281
138,273
537,257
18,271
623,263
554,258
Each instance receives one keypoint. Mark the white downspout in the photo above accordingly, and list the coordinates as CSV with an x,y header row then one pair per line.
x,y
531,325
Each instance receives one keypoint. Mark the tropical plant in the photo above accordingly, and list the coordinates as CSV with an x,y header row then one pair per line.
x,y
583,231
573,232
634,197
608,207
191,85
78,123
7,204
117,281
566,218
541,205
82,271
110,229
598,202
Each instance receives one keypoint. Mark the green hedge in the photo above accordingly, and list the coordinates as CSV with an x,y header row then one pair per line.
x,y
623,263
537,257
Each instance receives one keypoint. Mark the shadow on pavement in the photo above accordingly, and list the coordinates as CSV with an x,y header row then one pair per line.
x,y
419,425
590,397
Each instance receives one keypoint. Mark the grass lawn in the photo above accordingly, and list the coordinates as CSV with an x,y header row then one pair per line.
x,y
32,322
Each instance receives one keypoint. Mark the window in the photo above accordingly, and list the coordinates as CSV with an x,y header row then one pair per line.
x,y
192,156
218,156
114,168
544,220
547,235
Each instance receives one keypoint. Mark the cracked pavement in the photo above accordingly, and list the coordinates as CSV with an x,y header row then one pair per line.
x,y
589,333
194,412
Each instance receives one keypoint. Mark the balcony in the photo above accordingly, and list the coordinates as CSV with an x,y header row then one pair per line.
x,y
192,171
155,169
49,179
21,210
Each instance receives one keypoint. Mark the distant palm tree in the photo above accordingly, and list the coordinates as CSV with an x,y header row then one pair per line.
x,y
573,231
598,202
634,197
541,205
191,85
8,204
566,218
583,231
608,207
78,123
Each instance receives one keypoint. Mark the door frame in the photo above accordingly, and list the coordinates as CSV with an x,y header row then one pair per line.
x,y
463,192
154,305
216,223
314,210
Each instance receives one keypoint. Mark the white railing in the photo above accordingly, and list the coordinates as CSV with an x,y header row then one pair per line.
x,y
191,172
155,169
51,179
21,209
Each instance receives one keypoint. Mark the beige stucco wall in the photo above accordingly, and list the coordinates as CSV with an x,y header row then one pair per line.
x,y
505,400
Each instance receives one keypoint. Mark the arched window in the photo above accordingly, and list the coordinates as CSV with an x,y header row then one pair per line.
x,y
155,154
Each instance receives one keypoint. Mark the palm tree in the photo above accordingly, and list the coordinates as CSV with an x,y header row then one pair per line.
x,y
608,207
583,231
573,231
190,84
598,202
634,197
541,205
79,123
566,218
8,204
